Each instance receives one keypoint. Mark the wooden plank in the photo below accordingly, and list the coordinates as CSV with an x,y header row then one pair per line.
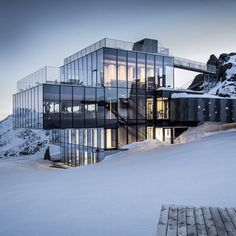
x,y
227,222
172,221
220,228
191,227
182,222
232,214
200,223
210,226
192,221
162,224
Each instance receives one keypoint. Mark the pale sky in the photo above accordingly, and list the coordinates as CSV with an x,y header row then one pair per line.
x,y
37,33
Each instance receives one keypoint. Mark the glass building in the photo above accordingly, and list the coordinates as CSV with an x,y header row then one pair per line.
x,y
103,97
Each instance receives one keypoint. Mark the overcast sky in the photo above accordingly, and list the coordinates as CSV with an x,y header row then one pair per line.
x,y
37,33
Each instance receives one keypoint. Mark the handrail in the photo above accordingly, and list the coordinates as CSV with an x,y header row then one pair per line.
x,y
194,65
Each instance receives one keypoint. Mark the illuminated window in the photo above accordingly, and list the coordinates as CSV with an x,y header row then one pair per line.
x,y
149,132
162,108
149,108
110,67
122,82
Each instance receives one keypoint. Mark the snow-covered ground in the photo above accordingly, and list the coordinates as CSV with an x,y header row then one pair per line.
x,y
121,195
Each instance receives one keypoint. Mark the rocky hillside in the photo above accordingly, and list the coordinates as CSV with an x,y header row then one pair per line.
x,y
18,142
225,79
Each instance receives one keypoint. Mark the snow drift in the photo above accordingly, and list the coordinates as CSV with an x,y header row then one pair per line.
x,y
203,130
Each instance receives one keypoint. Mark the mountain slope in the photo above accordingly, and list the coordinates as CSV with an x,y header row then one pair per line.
x,y
18,142
225,79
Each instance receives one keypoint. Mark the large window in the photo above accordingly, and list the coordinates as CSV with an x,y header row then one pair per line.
x,y
111,112
162,108
132,93
100,107
81,79
90,107
110,67
69,73
85,71
122,81
78,107
94,69
40,107
89,61
122,104
72,71
66,106
150,82
141,105
141,70
159,71
51,106
111,138
100,67
77,71
150,108
131,69
62,74
169,71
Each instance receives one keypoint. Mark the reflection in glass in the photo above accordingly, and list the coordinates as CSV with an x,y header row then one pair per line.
x,y
110,68
100,68
159,71
122,82
149,108
169,71
150,73
131,69
141,70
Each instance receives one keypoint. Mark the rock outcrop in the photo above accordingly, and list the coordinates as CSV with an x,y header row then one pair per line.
x,y
225,78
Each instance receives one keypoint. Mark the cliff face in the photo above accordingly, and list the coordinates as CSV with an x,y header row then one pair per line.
x,y
225,85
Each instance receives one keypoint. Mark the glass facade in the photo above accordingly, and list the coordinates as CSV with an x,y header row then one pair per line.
x,y
110,67
110,95
28,108
108,98
100,103
81,146
85,71
47,74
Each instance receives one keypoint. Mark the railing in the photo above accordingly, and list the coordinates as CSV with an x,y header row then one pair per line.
x,y
110,43
194,65
106,42
47,74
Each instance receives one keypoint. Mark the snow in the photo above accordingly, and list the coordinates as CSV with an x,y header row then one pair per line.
x,y
205,95
122,195
203,130
228,86
214,90
135,147
183,90
232,71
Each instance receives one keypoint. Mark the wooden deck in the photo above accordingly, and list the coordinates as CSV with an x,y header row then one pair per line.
x,y
196,221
